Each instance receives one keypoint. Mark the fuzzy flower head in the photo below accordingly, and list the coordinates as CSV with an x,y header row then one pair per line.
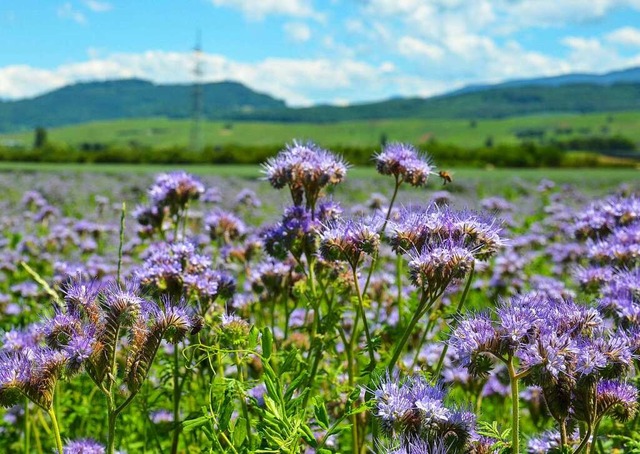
x,y
233,331
415,228
175,190
414,409
405,163
438,263
616,398
225,226
84,446
306,169
349,240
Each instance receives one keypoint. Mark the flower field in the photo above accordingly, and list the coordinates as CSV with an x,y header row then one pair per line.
x,y
312,312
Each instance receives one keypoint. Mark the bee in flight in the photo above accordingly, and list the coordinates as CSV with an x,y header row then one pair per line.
x,y
446,177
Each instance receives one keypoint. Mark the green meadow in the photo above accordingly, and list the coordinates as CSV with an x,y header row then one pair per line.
x,y
163,132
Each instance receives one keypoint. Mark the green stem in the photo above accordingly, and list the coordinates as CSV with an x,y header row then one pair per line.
x,y
423,307
515,408
399,262
176,399
374,259
367,333
27,427
56,429
111,436
585,440
245,410
463,298
122,216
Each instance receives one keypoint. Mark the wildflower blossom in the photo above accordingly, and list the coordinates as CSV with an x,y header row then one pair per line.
x,y
405,163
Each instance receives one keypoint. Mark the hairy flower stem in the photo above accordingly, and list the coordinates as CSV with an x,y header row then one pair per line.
x,y
56,429
245,410
121,242
399,263
374,259
367,333
423,307
563,434
463,298
27,426
515,408
176,399
585,440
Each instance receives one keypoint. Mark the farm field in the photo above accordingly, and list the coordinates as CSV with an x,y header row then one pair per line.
x,y
307,306
162,132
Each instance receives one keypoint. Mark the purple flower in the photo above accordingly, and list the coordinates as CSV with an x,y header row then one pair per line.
x,y
84,446
175,190
306,169
438,263
616,398
225,226
405,163
349,240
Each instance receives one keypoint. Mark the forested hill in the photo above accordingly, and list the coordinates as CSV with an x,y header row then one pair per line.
x,y
494,103
130,98
122,99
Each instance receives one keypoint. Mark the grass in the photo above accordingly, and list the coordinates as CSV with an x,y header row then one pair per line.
x,y
584,176
163,132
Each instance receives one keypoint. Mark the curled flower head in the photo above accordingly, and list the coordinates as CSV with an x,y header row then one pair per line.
x,y
438,263
405,163
234,331
348,240
616,398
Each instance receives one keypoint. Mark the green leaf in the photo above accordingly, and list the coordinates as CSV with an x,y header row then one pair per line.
x,y
321,413
267,343
253,337
294,385
192,424
240,431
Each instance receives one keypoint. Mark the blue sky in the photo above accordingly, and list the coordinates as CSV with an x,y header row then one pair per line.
x,y
312,51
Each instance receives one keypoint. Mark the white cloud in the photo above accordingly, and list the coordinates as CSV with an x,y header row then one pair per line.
x,y
626,36
297,31
98,6
66,11
416,48
259,9
298,81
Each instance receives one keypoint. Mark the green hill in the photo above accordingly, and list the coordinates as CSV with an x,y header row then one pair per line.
x,y
132,98
485,104
230,101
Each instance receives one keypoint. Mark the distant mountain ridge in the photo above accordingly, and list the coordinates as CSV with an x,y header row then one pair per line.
x,y
629,75
129,98
134,98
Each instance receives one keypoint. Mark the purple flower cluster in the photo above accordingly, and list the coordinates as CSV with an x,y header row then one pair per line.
x,y
349,240
224,226
298,231
604,216
85,446
306,169
405,163
413,411
169,195
561,346
84,334
179,270
415,228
